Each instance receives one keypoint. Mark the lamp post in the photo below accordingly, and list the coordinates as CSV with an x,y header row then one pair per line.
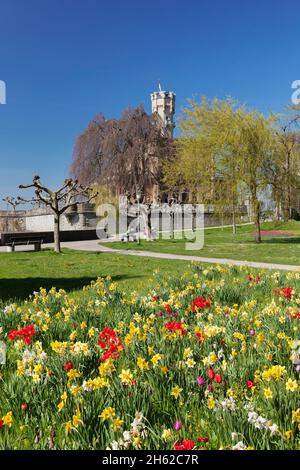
x,y
139,197
172,201
7,216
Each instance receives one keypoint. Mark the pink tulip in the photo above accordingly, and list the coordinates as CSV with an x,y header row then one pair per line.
x,y
200,381
177,425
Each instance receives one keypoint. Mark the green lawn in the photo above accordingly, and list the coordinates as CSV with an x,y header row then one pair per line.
x,y
221,243
23,272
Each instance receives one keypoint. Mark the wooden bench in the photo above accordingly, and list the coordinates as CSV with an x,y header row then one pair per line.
x,y
14,241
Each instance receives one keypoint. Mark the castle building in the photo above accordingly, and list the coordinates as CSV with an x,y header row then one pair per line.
x,y
163,104
163,107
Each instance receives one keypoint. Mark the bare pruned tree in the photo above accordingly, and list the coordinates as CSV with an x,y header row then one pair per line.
x,y
60,200
12,201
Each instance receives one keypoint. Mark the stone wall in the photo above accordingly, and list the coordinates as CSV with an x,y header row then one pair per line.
x,y
12,221
41,219
45,222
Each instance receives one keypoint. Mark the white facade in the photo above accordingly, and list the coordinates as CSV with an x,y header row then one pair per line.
x,y
45,222
163,103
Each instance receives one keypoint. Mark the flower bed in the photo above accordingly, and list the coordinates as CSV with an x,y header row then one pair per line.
x,y
276,233
207,361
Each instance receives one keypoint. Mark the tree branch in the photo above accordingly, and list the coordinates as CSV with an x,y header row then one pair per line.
x,y
63,209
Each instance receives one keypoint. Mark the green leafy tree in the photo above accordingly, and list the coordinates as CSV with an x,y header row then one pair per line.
x,y
285,171
255,156
223,153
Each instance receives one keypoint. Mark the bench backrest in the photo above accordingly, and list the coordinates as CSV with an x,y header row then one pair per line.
x,y
18,239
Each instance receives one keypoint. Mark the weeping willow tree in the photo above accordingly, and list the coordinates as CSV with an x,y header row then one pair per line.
x,y
206,161
256,144
224,152
121,155
285,171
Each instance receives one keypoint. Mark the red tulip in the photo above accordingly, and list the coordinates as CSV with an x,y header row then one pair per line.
x,y
187,444
202,439
257,279
25,333
200,303
211,373
218,378
24,406
27,339
250,384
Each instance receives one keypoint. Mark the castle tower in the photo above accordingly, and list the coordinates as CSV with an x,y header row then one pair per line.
x,y
163,103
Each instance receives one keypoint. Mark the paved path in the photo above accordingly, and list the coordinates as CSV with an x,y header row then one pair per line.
x,y
93,245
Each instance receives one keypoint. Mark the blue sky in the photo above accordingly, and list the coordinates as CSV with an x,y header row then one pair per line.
x,y
65,60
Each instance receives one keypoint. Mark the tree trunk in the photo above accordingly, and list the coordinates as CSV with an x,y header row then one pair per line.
x,y
256,210
172,224
57,233
193,218
233,217
149,226
147,221
286,204
287,190
233,223
278,208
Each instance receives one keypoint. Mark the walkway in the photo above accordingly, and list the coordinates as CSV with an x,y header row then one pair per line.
x,y
93,245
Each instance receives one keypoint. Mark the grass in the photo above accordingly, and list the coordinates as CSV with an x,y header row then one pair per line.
x,y
63,389
247,331
21,273
221,243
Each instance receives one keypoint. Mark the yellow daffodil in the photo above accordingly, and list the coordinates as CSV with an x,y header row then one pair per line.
x,y
117,424
166,435
211,404
291,385
108,413
126,377
73,374
8,419
60,406
268,393
176,391
155,359
142,364
296,416
76,419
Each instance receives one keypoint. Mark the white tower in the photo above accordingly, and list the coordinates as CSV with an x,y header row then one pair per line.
x,y
163,103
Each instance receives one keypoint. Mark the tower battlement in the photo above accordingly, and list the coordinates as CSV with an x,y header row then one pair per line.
x,y
163,103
